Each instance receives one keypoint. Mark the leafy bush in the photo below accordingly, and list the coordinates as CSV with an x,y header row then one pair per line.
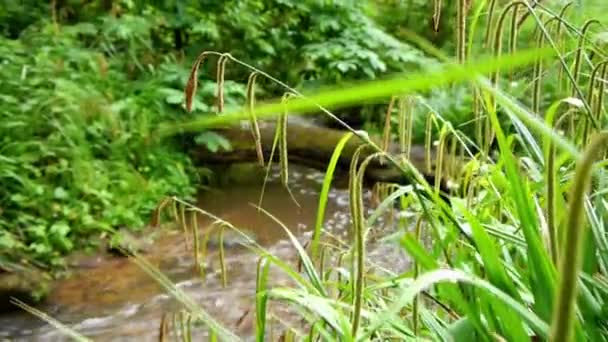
x,y
305,43
74,140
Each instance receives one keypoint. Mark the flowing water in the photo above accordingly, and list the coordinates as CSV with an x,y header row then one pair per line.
x,y
109,298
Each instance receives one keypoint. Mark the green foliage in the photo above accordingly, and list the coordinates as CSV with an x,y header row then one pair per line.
x,y
416,16
74,131
321,41
491,269
87,82
15,16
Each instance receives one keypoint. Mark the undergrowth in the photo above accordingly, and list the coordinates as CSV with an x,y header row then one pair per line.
x,y
519,249
84,84
75,161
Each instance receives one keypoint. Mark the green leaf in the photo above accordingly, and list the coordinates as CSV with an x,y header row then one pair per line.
x,y
511,325
542,271
213,141
325,191
7,241
173,96
372,90
60,193
454,276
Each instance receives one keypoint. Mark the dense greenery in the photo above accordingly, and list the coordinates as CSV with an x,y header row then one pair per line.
x,y
85,83
75,119
519,252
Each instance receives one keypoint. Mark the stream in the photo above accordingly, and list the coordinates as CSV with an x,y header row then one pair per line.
x,y
109,298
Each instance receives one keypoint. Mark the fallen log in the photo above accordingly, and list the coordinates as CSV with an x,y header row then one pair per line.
x,y
312,145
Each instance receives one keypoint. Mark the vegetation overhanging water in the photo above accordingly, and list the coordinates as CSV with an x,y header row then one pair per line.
x,y
509,192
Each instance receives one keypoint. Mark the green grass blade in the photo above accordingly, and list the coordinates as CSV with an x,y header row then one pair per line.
x,y
318,305
488,251
325,191
366,91
416,251
64,329
511,325
428,262
571,255
261,299
434,325
462,330
542,272
309,267
387,203
514,109
189,303
439,276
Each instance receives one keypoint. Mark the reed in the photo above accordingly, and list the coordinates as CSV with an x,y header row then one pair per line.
x,y
255,128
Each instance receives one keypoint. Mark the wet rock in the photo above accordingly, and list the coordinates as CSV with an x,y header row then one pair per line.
x,y
29,286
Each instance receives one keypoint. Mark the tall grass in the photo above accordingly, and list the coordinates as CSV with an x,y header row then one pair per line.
x,y
510,257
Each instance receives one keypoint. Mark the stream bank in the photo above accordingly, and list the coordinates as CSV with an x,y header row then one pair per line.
x,y
109,298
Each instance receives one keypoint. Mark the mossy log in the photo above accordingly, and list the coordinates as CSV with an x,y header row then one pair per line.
x,y
312,145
